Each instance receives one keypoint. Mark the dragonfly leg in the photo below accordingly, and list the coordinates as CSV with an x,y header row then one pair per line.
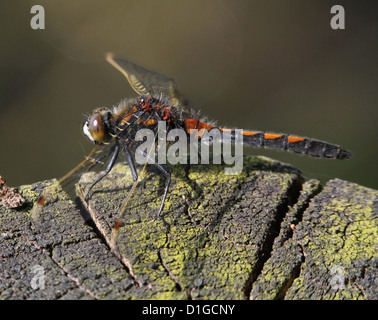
x,y
108,168
131,163
167,174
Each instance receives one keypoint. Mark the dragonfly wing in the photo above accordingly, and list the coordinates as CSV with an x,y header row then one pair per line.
x,y
145,81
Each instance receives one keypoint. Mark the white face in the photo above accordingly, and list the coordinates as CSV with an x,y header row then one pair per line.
x,y
86,130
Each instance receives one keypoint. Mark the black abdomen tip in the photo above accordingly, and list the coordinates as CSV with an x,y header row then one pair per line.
x,y
344,154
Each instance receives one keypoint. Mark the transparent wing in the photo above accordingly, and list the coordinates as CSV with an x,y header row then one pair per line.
x,y
146,82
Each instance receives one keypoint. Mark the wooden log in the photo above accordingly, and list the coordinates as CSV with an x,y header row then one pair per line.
x,y
263,234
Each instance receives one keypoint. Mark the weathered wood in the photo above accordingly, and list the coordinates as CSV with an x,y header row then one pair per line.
x,y
74,261
263,234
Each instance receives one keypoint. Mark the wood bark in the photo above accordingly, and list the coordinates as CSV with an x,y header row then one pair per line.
x,y
264,234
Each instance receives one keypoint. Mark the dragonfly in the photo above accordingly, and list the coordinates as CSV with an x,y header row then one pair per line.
x,y
159,99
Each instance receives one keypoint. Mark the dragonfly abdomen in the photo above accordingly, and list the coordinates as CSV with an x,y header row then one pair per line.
x,y
314,148
311,147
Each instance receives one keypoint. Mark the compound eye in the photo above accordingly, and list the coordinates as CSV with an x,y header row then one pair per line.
x,y
96,128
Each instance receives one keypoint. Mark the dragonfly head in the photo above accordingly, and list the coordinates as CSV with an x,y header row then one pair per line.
x,y
97,126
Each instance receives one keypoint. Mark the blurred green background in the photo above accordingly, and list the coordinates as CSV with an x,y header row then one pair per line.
x,y
263,65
